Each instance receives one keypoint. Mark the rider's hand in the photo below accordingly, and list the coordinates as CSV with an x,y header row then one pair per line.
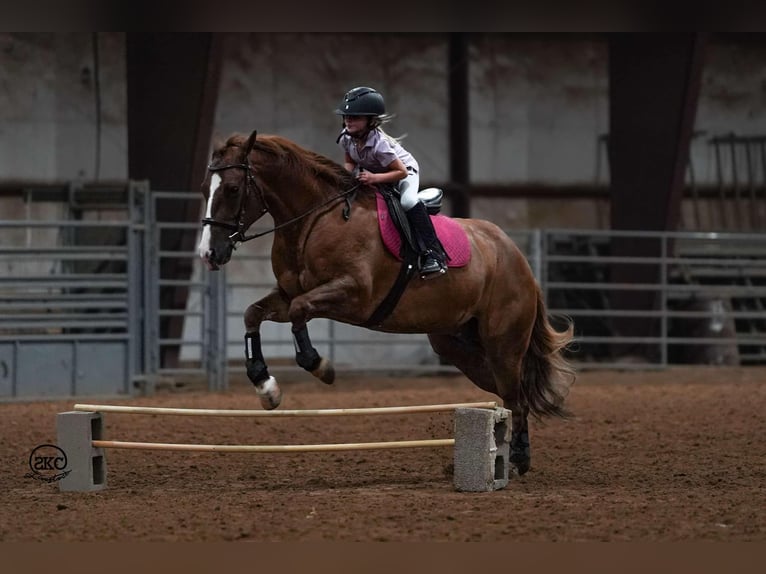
x,y
366,177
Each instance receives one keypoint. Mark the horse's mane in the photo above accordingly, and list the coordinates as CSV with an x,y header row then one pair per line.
x,y
293,157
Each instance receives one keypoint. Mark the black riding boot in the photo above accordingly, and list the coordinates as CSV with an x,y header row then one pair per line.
x,y
432,263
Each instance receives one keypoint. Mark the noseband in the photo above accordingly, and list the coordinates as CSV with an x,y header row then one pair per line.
x,y
239,227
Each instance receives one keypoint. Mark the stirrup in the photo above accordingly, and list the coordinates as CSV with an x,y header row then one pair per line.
x,y
432,268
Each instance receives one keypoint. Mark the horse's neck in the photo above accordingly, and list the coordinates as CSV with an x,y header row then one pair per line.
x,y
297,201
291,193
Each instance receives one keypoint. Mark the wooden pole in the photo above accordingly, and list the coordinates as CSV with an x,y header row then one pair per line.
x,y
273,448
285,413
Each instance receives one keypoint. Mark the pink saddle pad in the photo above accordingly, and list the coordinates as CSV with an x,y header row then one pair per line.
x,y
449,231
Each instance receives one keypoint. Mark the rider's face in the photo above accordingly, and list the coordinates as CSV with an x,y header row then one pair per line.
x,y
355,124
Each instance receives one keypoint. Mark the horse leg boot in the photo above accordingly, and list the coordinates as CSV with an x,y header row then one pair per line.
x,y
266,386
307,357
520,453
432,259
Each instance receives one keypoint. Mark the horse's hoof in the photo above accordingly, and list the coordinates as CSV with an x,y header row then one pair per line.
x,y
269,393
325,372
519,467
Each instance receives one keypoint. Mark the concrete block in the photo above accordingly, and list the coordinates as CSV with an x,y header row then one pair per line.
x,y
482,451
86,464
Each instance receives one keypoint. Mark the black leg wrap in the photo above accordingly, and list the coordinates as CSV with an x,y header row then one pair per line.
x,y
520,451
305,354
257,371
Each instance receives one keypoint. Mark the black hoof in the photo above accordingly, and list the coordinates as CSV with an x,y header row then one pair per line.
x,y
520,466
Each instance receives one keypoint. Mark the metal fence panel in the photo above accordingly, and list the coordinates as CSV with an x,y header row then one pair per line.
x,y
67,300
82,315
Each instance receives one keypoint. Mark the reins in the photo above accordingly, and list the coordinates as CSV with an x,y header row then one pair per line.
x,y
342,195
239,229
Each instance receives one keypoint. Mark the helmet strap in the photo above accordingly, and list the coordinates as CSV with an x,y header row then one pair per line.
x,y
342,133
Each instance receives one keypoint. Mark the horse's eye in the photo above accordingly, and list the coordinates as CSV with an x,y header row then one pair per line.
x,y
232,189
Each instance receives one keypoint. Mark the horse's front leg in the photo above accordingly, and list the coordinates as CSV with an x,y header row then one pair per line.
x,y
273,307
318,302
309,358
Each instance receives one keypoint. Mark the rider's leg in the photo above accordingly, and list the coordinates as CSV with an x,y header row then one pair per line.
x,y
431,256
408,190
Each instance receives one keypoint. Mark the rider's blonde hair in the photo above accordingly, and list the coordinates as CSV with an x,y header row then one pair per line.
x,y
376,123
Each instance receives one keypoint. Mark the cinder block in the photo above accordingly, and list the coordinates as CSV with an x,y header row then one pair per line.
x,y
482,452
86,464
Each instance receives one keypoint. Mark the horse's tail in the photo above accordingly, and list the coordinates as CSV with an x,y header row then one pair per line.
x,y
546,373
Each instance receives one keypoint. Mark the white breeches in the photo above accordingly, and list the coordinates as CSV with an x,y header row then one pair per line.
x,y
409,187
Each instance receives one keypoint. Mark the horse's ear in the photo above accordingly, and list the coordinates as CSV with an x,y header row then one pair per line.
x,y
217,143
250,142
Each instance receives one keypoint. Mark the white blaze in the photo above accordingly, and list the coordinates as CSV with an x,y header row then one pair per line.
x,y
204,243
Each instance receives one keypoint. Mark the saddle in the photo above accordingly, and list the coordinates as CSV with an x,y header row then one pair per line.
x,y
398,238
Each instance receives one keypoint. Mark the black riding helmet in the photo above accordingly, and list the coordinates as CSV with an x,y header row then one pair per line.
x,y
362,101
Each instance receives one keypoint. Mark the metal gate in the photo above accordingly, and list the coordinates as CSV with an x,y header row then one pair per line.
x,y
80,295
70,293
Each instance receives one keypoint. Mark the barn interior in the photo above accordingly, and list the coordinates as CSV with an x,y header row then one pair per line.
x,y
630,168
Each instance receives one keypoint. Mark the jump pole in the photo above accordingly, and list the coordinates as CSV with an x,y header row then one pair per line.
x,y
481,443
284,413
274,447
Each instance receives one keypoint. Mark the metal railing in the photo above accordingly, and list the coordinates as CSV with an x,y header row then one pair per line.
x,y
656,298
67,302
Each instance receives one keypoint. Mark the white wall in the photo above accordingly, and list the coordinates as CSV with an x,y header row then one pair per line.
x,y
538,103
48,111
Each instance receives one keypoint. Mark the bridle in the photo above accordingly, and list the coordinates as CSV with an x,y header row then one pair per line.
x,y
239,227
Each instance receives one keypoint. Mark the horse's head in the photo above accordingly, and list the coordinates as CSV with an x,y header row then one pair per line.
x,y
234,200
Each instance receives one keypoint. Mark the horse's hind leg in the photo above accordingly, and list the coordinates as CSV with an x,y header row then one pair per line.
x,y
506,362
465,350
520,457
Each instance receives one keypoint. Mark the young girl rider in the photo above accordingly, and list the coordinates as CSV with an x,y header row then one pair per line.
x,y
378,158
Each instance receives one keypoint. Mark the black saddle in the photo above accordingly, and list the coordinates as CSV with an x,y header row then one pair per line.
x,y
431,197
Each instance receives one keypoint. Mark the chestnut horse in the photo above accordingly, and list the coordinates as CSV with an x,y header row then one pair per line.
x,y
487,318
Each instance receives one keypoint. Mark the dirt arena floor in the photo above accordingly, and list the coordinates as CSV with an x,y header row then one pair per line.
x,y
677,455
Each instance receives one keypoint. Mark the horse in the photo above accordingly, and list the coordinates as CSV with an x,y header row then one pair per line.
x,y
488,318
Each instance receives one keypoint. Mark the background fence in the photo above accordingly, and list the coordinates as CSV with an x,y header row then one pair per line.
x,y
88,300
71,293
